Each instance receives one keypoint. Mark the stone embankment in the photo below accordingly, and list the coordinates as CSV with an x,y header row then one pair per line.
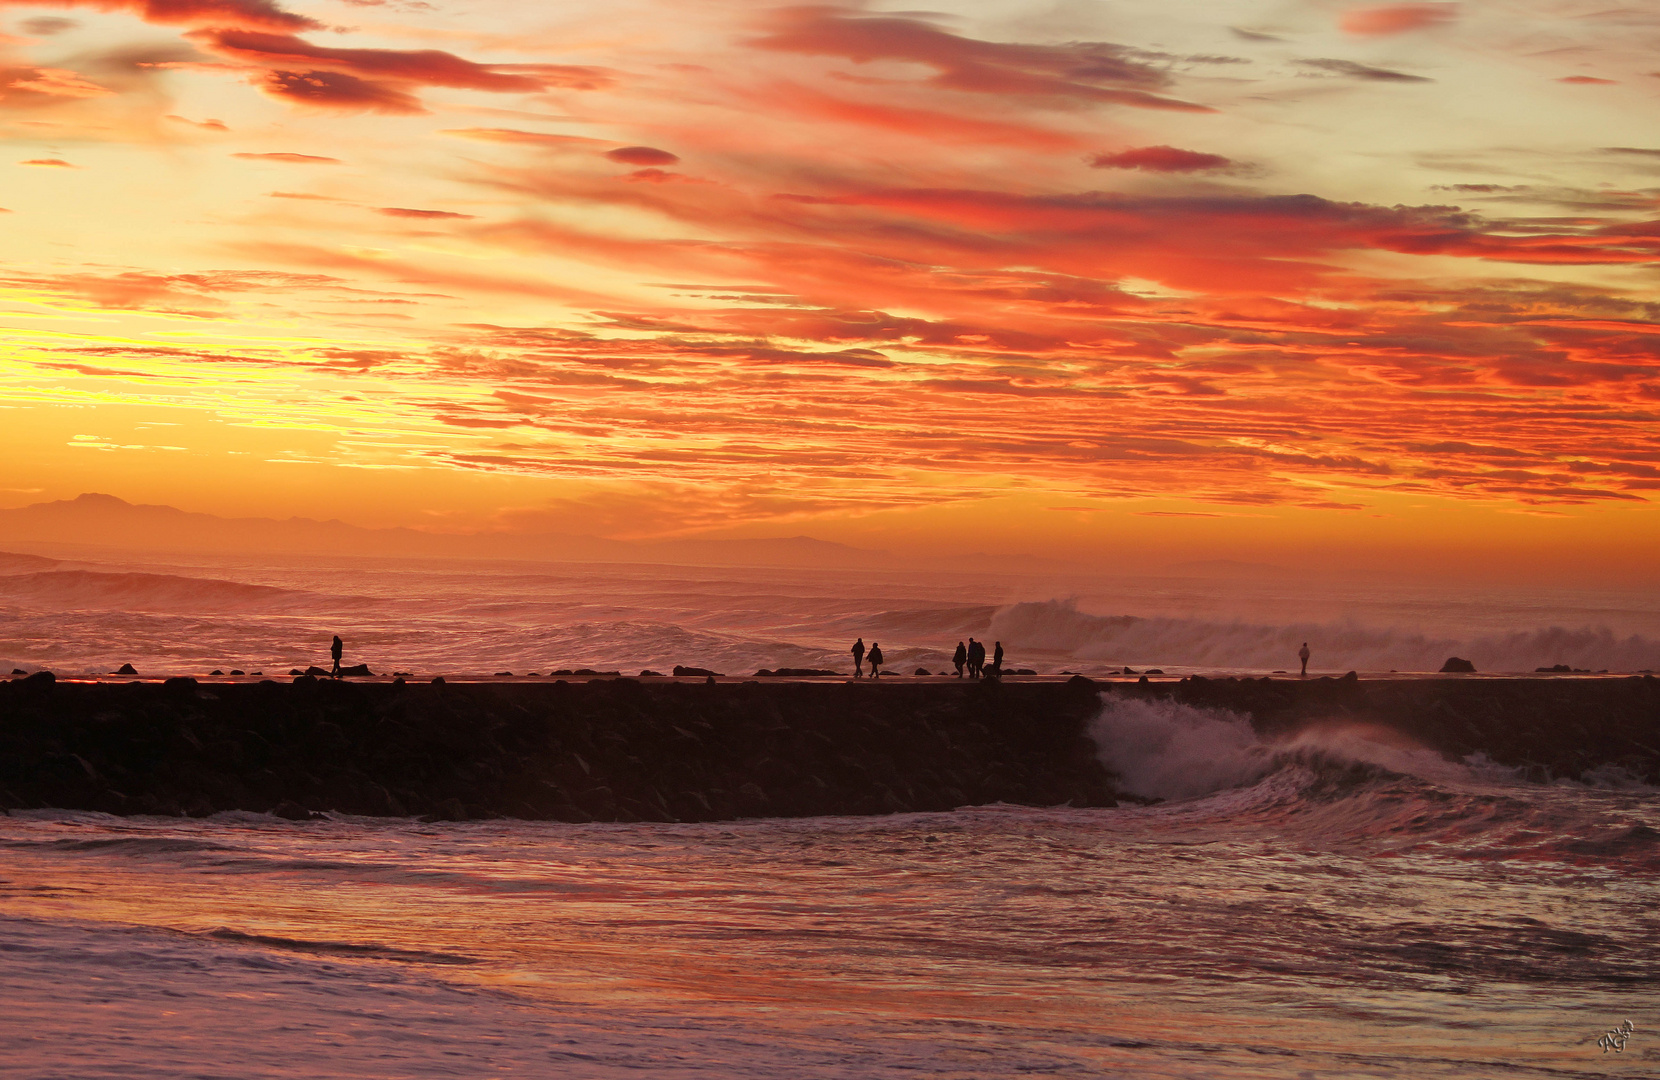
x,y
623,750
608,750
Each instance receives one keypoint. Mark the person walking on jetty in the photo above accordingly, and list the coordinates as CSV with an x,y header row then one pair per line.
x,y
859,658
976,658
335,650
875,660
1302,654
960,658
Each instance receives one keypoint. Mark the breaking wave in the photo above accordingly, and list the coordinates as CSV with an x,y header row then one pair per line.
x,y
1350,782
1058,627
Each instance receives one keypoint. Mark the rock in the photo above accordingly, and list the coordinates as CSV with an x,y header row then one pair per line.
x,y
234,671
1155,671
216,671
20,671
289,810
1454,664
650,674
124,669
357,671
1354,676
438,680
181,682
1555,669
1129,671
681,672
923,671
1024,671
295,671
503,675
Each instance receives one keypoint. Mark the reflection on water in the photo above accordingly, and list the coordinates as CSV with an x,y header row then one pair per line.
x,y
1328,919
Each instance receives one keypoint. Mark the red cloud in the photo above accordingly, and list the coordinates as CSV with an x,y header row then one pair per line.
x,y
1396,18
1161,159
246,14
1587,80
642,155
52,162
427,67
334,90
1086,71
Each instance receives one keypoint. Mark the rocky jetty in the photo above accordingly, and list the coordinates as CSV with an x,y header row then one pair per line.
x,y
609,750
623,750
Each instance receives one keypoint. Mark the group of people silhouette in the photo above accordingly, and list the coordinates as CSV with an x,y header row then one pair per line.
x,y
973,657
970,657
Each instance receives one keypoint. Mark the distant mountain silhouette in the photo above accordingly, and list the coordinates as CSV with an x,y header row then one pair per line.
x,y
104,522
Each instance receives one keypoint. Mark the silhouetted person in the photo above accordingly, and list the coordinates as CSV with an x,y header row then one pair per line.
x,y
976,658
997,657
335,650
875,660
1302,654
960,658
859,658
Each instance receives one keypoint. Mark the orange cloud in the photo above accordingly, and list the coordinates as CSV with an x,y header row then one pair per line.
x,y
289,158
1396,18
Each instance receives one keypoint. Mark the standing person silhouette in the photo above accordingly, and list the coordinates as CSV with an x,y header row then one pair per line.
x,y
976,658
875,660
859,658
1302,654
960,658
997,659
335,650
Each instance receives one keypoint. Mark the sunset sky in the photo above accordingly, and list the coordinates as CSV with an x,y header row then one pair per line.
x,y
1100,280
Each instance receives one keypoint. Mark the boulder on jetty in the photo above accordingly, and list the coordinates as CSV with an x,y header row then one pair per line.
x,y
124,669
356,670
1562,669
1456,665
681,672
650,674
923,671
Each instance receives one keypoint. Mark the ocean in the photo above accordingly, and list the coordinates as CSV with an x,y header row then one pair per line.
x,y
1335,909
1342,904
189,616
